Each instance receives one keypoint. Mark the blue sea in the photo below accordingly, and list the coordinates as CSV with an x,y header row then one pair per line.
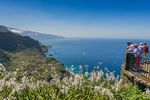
x,y
78,51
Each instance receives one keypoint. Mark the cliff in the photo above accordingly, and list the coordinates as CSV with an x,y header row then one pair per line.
x,y
27,55
14,42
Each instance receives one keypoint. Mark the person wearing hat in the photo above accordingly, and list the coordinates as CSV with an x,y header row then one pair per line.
x,y
137,55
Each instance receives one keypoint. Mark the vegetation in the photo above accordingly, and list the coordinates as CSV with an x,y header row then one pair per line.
x,y
5,58
33,63
14,42
87,86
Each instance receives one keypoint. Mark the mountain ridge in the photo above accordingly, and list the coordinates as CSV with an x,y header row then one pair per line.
x,y
32,34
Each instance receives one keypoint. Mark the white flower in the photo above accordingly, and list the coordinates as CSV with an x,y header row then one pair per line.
x,y
147,91
86,74
2,84
2,68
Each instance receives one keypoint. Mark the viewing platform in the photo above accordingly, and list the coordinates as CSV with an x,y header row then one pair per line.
x,y
141,77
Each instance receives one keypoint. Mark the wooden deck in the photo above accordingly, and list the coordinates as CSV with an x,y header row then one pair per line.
x,y
136,77
146,70
141,76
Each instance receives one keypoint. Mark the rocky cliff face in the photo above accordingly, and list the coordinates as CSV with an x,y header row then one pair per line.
x,y
10,41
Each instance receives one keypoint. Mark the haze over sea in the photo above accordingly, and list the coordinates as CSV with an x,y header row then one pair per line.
x,y
79,51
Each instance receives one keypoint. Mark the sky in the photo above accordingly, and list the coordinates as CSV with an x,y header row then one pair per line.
x,y
79,18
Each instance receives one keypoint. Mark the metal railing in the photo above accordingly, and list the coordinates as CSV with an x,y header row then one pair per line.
x,y
144,69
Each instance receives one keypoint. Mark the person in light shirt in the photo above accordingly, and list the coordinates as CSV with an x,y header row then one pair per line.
x,y
138,54
142,51
141,46
130,47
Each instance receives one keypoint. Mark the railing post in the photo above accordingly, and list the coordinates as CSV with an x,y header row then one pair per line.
x,y
130,59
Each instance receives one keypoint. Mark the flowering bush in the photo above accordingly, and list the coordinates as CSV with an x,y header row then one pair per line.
x,y
97,85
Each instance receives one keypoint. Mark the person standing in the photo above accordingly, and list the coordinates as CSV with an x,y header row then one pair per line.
x,y
137,52
130,47
145,50
141,47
